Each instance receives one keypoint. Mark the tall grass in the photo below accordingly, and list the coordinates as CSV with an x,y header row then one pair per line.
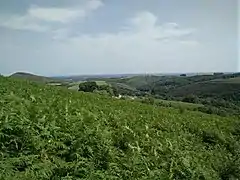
x,y
52,133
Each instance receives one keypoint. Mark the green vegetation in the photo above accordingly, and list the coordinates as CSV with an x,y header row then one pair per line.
x,y
100,83
100,88
219,93
75,85
230,80
177,104
52,133
36,78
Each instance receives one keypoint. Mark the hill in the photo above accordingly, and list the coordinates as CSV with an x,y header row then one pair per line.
x,y
218,92
220,86
36,78
217,89
229,80
52,133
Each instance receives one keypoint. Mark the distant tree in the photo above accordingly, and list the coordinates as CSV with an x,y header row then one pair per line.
x,y
106,88
183,75
115,91
91,86
88,86
101,92
218,73
151,82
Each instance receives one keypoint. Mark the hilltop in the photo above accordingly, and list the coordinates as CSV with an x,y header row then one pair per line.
x,y
33,77
54,133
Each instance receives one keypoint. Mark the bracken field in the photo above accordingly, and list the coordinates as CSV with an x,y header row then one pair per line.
x,y
54,133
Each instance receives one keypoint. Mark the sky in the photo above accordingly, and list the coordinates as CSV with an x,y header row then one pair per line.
x,y
73,37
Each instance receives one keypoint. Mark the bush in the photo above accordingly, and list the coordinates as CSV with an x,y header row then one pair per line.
x,y
88,86
102,92
190,99
148,100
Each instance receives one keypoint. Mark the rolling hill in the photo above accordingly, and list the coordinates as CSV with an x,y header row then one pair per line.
x,y
223,86
36,78
53,133
208,89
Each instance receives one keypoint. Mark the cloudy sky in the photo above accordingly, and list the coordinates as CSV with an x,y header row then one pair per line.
x,y
65,37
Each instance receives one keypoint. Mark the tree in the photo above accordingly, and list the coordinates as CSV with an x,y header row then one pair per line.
x,y
218,73
106,88
101,92
88,86
151,82
91,86
183,75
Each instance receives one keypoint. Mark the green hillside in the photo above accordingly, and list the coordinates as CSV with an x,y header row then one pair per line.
x,y
53,133
230,80
210,89
33,77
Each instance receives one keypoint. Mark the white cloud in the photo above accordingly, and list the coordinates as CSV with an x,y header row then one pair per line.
x,y
39,18
142,27
60,33
143,21
93,5
62,15
22,23
142,40
143,45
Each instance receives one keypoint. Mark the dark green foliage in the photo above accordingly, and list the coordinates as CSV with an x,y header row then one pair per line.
x,y
108,89
91,86
216,87
148,100
88,86
52,133
190,99
119,88
218,73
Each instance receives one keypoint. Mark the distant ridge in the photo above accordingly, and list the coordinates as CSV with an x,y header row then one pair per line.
x,y
33,77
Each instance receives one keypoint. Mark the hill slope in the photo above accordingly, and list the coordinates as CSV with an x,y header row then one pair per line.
x,y
209,89
52,133
33,77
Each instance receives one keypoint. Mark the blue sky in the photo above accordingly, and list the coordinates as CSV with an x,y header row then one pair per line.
x,y
64,37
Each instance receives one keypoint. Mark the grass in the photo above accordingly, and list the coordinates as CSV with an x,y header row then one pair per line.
x,y
53,133
100,83
209,89
230,80
177,104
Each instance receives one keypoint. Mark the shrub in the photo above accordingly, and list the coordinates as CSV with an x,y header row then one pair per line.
x,y
88,86
190,99
148,100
